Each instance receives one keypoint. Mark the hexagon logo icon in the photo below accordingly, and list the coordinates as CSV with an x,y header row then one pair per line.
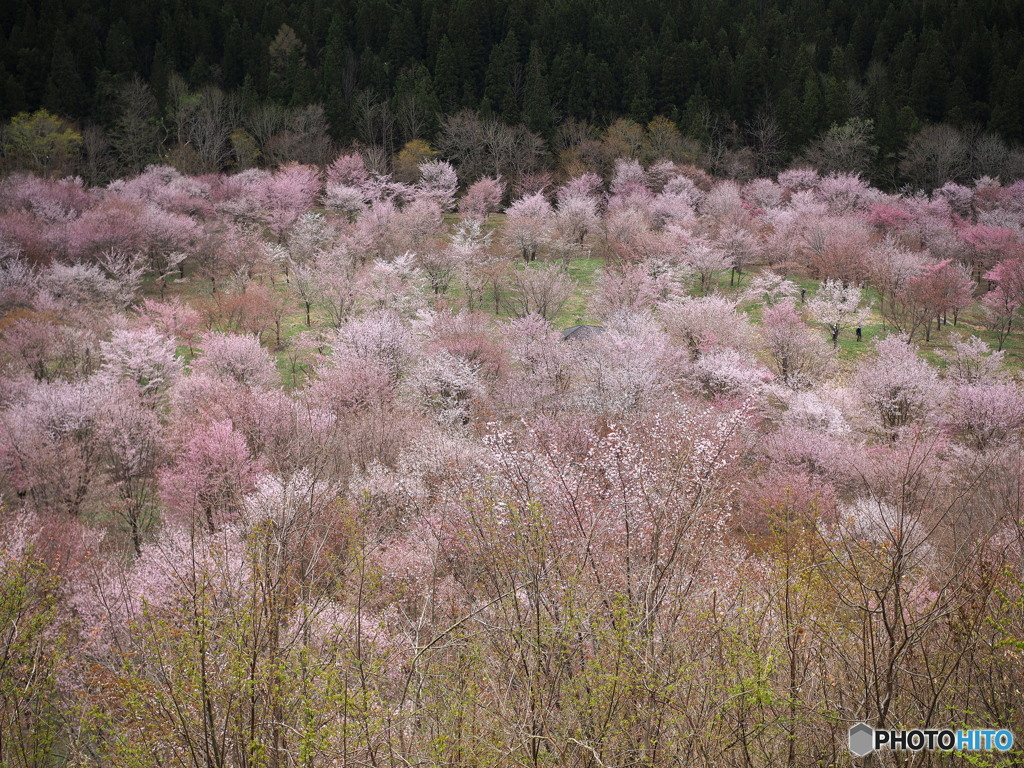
x,y
862,739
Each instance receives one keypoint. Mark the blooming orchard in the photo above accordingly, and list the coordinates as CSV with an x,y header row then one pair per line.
x,y
324,466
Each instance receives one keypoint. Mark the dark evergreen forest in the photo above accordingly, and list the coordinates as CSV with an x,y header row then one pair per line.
x,y
719,70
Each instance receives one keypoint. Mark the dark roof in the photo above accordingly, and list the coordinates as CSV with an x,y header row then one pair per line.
x,y
581,332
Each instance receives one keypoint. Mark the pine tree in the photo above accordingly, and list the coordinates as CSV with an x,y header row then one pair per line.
x,y
536,100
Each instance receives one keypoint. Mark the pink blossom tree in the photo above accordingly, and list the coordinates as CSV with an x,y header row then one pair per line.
x,y
798,356
628,174
630,288
18,282
929,292
444,385
348,201
846,193
971,361
763,193
707,260
575,217
799,179
898,386
348,170
727,374
209,477
128,441
586,185
47,440
238,358
1003,302
985,415
988,245
173,319
770,289
483,197
838,248
541,374
705,323
380,337
288,194
629,368
526,225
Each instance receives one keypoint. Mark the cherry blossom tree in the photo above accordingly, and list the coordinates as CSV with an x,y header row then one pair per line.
x,y
18,283
349,201
444,386
845,193
988,245
770,289
1003,302
727,373
145,357
440,267
288,194
482,198
541,374
576,216
469,251
48,350
238,358
128,442
381,337
922,292
173,319
631,288
898,387
705,323
49,447
971,361
838,248
348,170
763,193
799,179
707,260
629,368
797,355
838,307
211,474
526,225
438,182
986,415
78,283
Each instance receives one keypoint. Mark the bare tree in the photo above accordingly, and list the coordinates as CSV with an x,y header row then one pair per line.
x,y
768,142
202,122
374,121
845,148
265,121
937,154
539,291
97,159
304,140
461,140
